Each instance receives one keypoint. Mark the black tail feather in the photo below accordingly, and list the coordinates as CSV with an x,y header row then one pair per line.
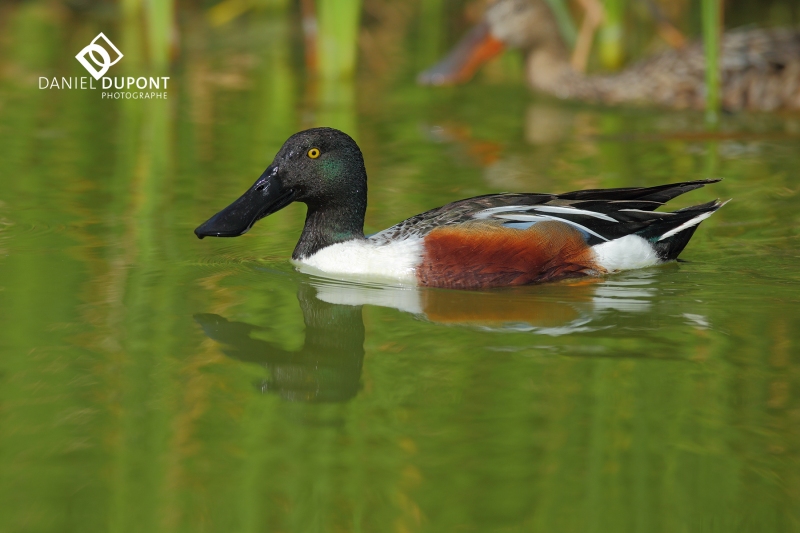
x,y
673,244
660,194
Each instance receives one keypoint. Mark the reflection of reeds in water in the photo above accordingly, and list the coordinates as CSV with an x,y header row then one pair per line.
x,y
160,28
431,32
150,30
337,106
333,91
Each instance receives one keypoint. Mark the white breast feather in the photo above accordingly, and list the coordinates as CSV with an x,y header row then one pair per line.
x,y
625,253
396,261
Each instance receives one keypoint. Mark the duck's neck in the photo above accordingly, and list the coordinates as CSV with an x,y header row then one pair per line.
x,y
331,223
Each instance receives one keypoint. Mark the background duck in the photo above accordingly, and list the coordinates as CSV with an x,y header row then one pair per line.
x,y
487,241
760,68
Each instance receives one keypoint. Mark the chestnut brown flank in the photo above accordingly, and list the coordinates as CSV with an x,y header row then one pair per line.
x,y
485,255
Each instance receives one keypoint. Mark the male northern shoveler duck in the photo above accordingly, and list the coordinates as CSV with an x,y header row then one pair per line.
x,y
760,67
486,241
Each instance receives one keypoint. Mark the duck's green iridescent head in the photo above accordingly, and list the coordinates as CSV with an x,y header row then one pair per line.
x,y
322,168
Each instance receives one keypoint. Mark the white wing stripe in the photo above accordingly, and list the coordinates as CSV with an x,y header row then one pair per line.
x,y
648,212
523,217
486,213
572,211
526,218
686,225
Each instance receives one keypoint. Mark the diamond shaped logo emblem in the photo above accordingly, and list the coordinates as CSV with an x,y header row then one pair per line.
x,y
98,56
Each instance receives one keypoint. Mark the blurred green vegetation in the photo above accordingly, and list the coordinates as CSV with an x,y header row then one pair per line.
x,y
712,26
118,413
365,35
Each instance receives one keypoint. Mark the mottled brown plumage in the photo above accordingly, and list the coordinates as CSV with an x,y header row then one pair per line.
x,y
760,72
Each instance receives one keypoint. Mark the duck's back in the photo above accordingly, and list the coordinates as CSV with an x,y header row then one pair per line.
x,y
760,71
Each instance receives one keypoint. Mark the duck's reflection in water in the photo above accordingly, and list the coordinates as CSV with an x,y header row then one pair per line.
x,y
550,309
328,367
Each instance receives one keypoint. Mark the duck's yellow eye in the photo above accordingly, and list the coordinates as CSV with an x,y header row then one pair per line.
x,y
313,153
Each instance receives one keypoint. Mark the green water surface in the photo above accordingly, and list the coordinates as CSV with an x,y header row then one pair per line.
x,y
150,381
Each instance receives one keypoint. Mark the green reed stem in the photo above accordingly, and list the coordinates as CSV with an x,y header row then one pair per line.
x,y
431,32
337,37
712,27
565,23
610,34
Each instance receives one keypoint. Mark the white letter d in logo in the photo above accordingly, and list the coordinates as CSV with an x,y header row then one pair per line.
x,y
104,61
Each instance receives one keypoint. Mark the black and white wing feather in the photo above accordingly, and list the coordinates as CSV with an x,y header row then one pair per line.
x,y
601,215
